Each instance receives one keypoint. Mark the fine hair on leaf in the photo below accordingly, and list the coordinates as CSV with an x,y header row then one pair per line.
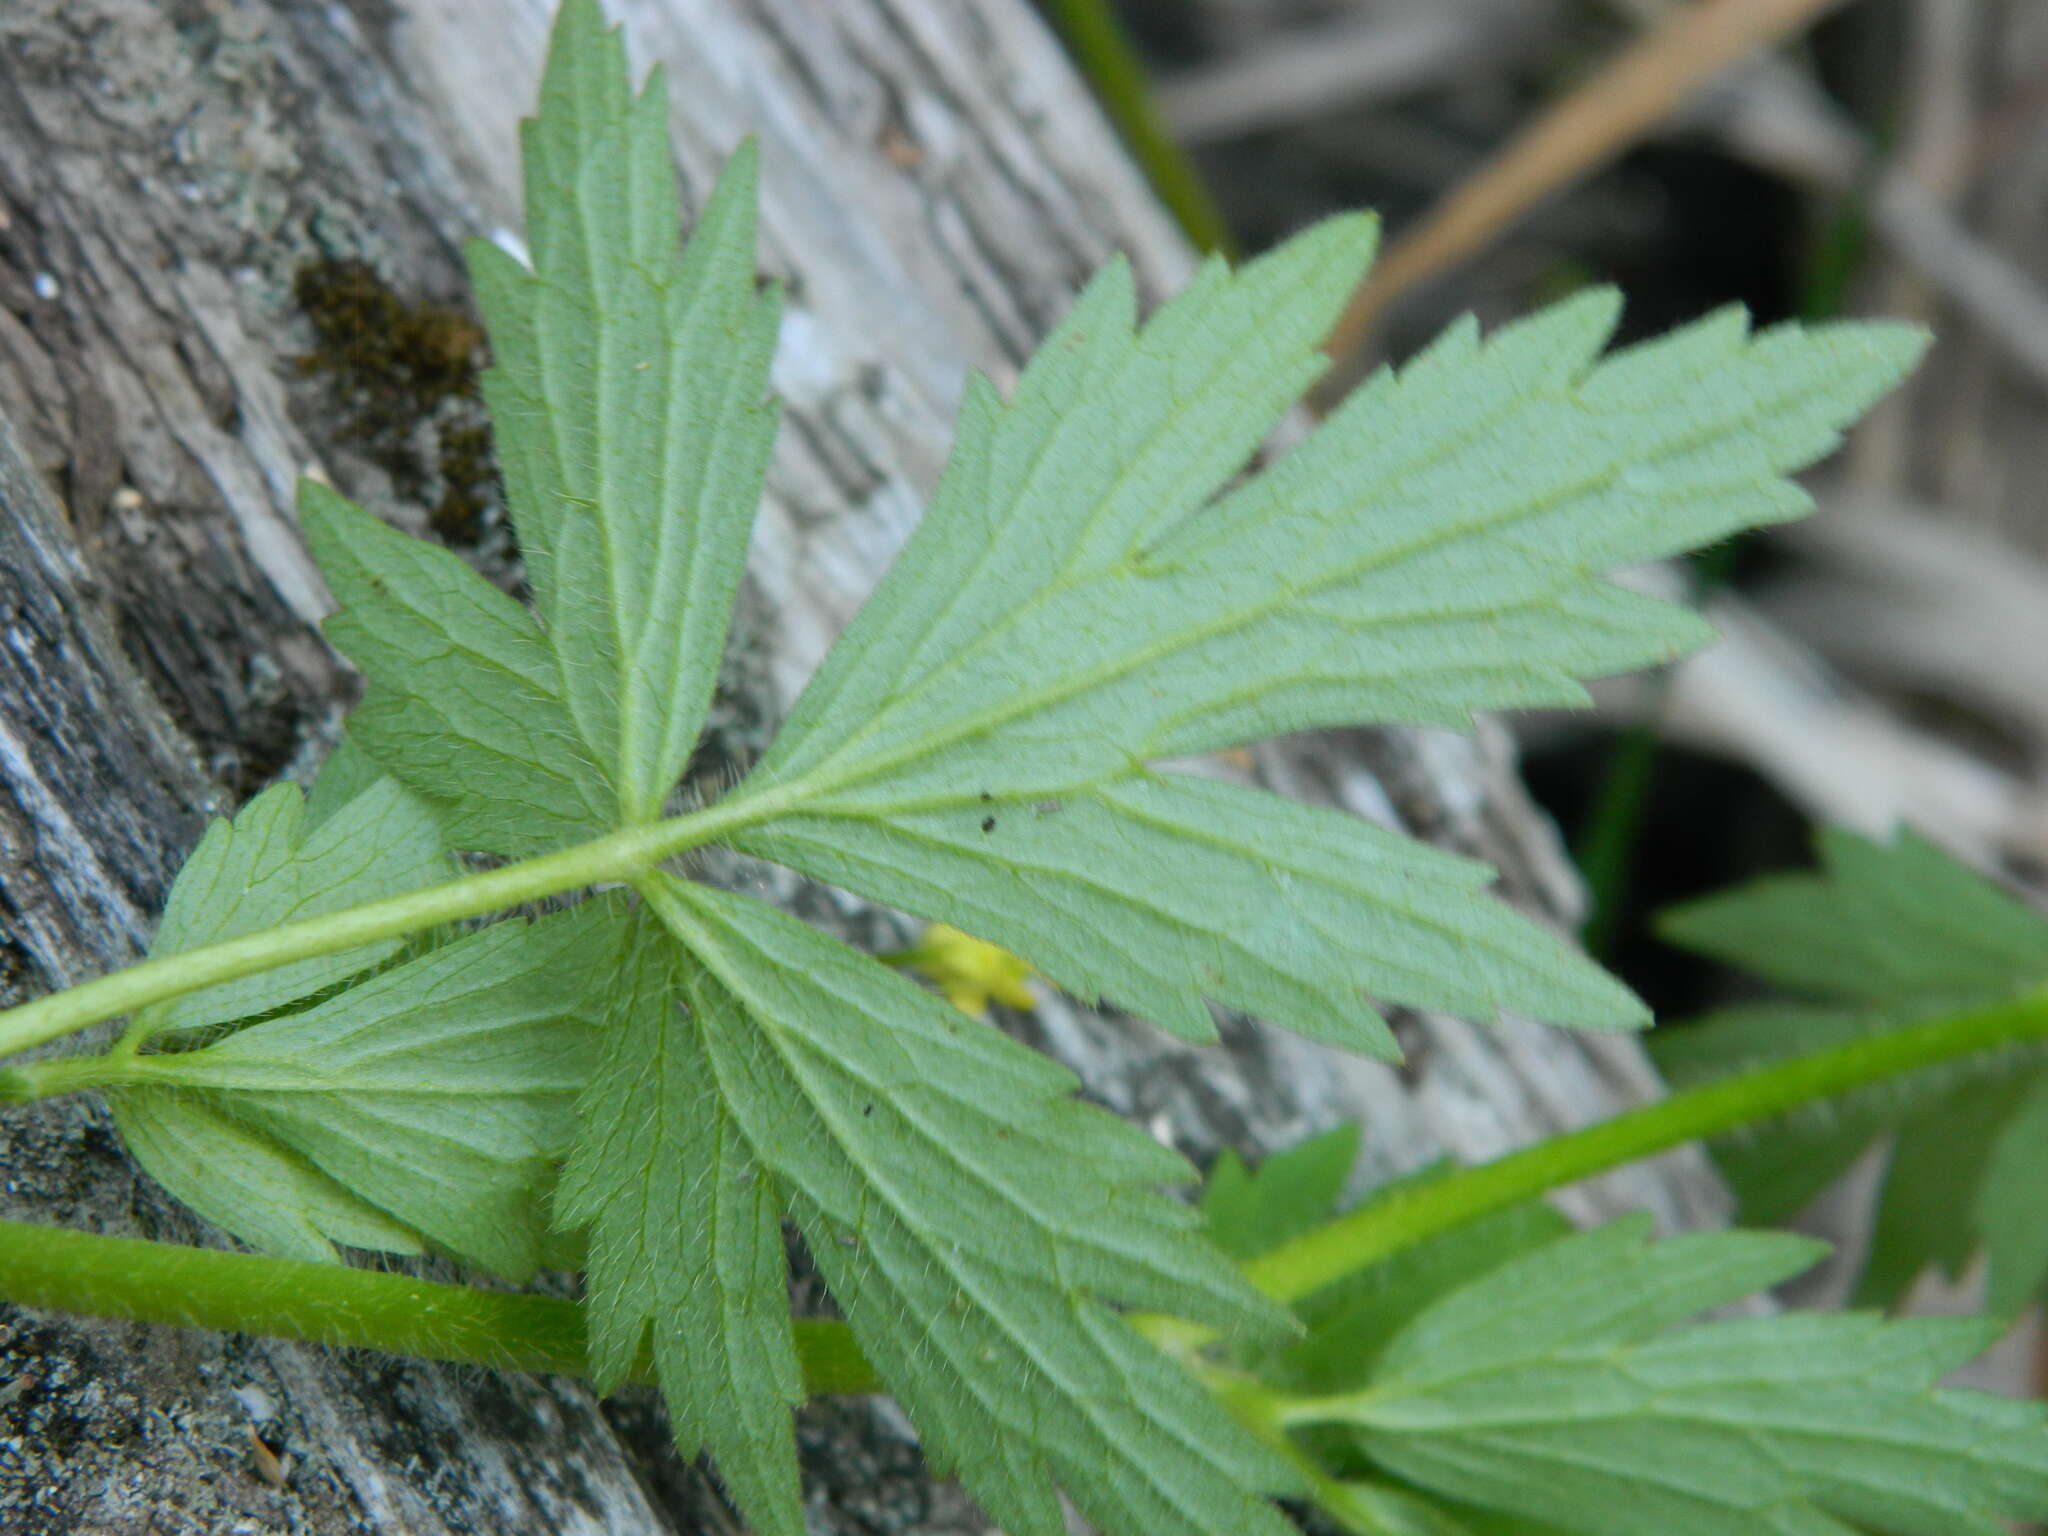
x,y
652,1083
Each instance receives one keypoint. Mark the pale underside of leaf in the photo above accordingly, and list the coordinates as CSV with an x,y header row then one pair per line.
x,y
686,1251
245,1183
629,397
440,1091
1141,886
1086,598
1072,608
971,1218
347,772
464,701
265,868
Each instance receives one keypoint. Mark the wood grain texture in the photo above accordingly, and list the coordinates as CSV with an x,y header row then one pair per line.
x,y
936,186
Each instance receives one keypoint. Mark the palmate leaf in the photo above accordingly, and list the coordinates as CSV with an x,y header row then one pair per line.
x,y
1881,937
631,505
1074,608
1557,1389
977,747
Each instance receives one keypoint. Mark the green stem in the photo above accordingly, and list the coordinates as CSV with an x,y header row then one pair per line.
x,y
44,1266
616,856
114,1069
1106,57
1400,1220
75,1074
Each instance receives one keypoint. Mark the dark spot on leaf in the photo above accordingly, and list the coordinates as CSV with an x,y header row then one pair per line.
x,y
988,823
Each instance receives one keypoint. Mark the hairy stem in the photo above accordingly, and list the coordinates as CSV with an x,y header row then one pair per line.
x,y
156,1282
616,856
74,1074
1400,1220
44,1266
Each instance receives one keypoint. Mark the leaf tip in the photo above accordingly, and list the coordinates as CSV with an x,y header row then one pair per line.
x,y
744,163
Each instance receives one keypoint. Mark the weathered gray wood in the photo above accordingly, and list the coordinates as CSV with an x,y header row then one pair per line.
x,y
936,185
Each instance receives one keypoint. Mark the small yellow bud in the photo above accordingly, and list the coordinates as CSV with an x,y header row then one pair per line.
x,y
971,972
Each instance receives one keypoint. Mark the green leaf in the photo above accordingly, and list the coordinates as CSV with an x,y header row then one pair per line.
x,y
685,1236
1556,1389
1926,1213
1077,604
2009,1206
972,1218
629,399
1351,1323
1380,1509
346,773
1884,936
1085,600
439,1091
245,1183
1248,1213
464,701
1347,908
1897,926
1592,1289
268,867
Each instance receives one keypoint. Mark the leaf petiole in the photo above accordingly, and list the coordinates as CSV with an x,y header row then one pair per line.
x,y
50,1079
618,855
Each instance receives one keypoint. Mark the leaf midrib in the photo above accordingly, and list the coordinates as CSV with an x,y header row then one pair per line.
x,y
1131,346
822,780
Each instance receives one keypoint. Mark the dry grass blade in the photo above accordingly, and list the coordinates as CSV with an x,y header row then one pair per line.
x,y
1633,92
1304,73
